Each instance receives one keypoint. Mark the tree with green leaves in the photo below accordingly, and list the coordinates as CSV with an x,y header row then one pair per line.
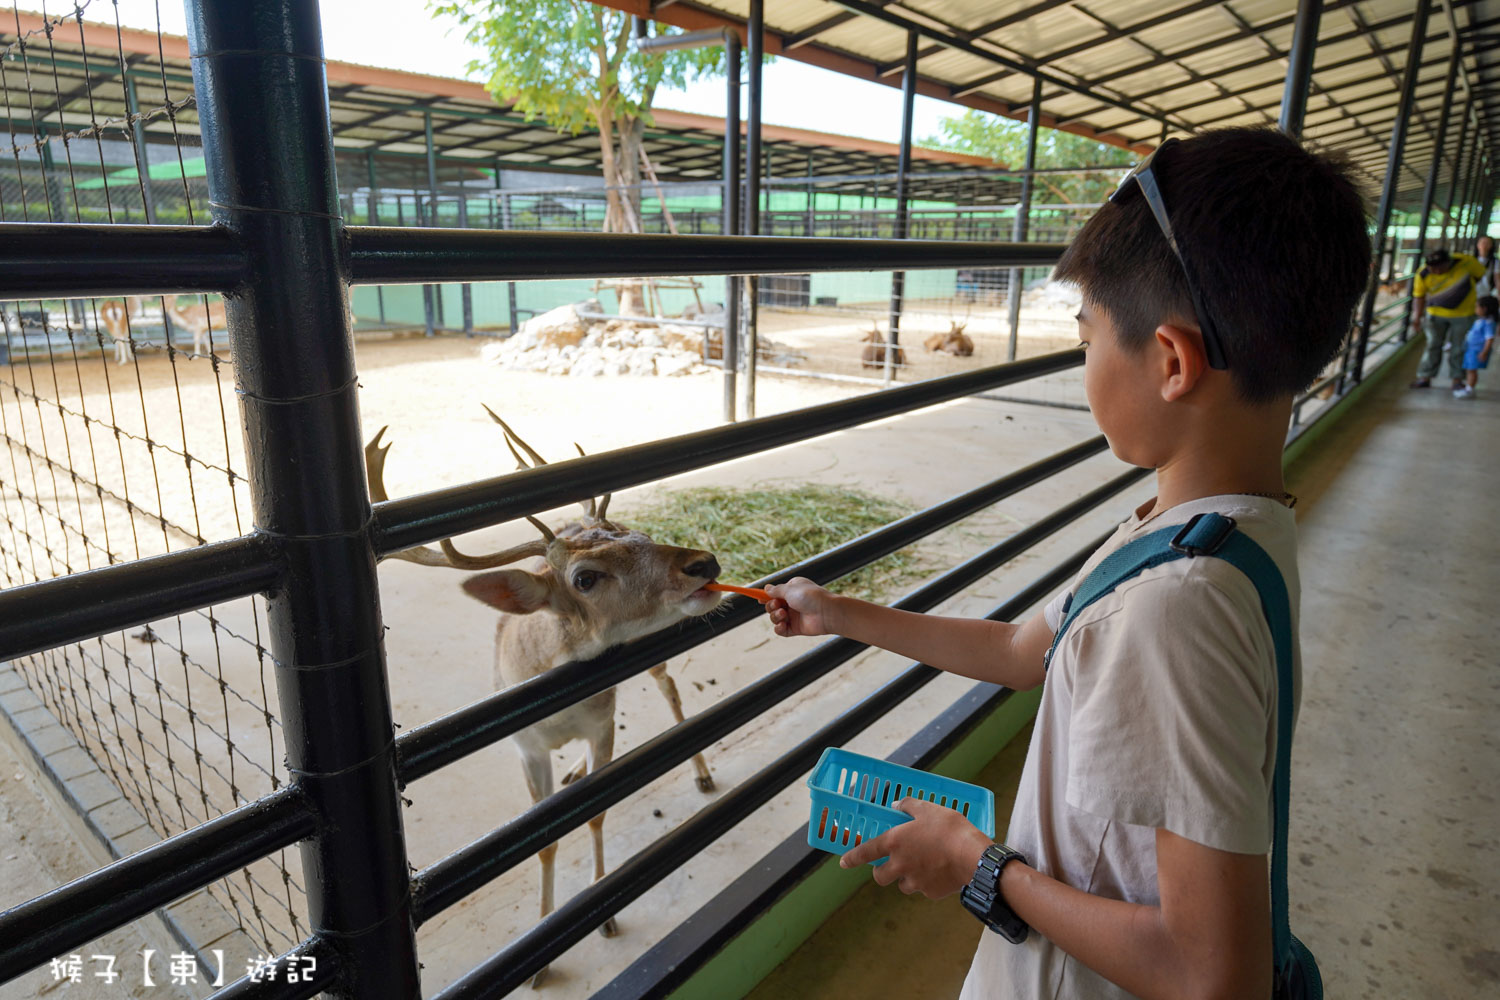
x,y
1004,141
573,63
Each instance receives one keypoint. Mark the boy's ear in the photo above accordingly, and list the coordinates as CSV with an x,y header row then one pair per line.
x,y
514,591
1183,358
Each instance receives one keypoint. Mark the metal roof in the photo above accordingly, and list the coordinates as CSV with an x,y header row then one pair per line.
x,y
1122,71
68,78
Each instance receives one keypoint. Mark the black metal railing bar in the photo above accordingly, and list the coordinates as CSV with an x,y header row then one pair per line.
x,y
579,916
51,613
80,260
82,910
447,881
436,744
392,255
77,260
428,517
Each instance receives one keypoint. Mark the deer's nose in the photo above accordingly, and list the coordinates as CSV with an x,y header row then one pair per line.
x,y
707,567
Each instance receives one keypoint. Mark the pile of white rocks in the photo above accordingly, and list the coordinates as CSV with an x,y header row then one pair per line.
x,y
562,342
569,341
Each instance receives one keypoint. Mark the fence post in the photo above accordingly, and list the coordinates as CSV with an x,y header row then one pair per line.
x,y
903,164
1389,188
263,108
372,210
1022,221
756,37
138,138
729,353
430,293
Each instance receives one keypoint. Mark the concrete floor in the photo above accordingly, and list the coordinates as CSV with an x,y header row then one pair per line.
x,y
1395,836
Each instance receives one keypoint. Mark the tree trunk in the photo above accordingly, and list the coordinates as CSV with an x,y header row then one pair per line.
x,y
622,173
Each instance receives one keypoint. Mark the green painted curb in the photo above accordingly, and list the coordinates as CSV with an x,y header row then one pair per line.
x,y
747,959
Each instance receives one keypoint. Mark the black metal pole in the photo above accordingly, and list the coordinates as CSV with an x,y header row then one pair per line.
x,y
1392,177
1022,223
263,109
1455,176
429,292
756,36
1299,68
1429,189
730,348
372,210
466,290
142,157
903,164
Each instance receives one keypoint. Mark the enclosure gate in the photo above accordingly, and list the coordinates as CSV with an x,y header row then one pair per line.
x,y
282,257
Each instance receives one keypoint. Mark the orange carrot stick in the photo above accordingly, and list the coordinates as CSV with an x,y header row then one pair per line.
x,y
755,592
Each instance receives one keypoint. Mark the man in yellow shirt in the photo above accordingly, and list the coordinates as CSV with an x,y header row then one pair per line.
x,y
1444,293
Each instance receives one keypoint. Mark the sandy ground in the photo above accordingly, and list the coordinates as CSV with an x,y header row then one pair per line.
x,y
439,642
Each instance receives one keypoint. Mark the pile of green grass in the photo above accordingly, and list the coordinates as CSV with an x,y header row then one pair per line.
x,y
754,532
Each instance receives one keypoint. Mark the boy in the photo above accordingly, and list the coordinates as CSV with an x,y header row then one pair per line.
x,y
1481,338
1143,815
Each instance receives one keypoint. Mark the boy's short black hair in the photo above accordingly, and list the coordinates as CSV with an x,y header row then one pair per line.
x,y
1490,303
1277,239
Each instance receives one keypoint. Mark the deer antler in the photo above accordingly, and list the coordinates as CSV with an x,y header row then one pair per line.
x,y
425,555
594,510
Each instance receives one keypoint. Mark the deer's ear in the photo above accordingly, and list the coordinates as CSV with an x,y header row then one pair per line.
x,y
514,591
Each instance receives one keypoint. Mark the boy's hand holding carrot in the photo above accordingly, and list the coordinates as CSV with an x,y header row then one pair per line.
x,y
801,607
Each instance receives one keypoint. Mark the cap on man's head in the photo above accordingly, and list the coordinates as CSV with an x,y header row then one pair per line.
x,y
1439,257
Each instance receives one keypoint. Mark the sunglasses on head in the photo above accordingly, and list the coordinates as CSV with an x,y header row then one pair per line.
x,y
1143,179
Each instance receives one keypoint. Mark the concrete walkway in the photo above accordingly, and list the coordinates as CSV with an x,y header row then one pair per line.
x,y
1395,840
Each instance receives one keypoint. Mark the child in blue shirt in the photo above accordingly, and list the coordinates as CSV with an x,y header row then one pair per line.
x,y
1477,347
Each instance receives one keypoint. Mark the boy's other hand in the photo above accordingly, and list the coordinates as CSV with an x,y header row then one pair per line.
x,y
935,854
799,607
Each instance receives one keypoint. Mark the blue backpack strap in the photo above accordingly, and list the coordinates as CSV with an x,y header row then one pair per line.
x,y
1216,535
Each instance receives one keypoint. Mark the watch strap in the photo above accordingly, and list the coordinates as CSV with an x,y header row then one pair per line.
x,y
982,895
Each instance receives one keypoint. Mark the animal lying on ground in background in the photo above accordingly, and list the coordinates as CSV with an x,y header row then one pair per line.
x,y
954,342
600,585
872,355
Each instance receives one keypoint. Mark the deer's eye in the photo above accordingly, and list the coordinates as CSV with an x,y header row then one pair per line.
x,y
585,579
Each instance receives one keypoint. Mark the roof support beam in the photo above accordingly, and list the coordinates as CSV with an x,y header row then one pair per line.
x,y
953,42
1300,67
1245,31
1392,177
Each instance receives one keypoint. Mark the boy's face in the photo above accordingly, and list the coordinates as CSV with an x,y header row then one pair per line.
x,y
1123,388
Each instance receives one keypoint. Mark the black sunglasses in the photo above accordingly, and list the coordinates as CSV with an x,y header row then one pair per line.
x,y
1145,180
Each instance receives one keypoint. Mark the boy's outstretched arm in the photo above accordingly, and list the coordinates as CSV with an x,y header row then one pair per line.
x,y
985,650
1209,938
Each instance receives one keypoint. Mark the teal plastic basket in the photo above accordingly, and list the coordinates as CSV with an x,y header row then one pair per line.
x,y
853,799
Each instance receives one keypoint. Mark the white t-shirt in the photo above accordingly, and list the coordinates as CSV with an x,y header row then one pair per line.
x,y
1159,710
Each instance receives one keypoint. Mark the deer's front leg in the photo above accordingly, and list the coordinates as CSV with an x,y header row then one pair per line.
x,y
600,751
536,764
668,688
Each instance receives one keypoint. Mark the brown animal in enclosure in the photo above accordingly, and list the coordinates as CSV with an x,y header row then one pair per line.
x,y
115,315
197,320
601,584
872,355
954,342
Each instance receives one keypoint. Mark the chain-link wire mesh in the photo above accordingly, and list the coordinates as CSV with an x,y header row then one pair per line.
x,y
116,444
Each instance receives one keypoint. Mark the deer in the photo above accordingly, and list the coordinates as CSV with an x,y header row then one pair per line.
x,y
599,585
197,319
873,353
115,315
954,342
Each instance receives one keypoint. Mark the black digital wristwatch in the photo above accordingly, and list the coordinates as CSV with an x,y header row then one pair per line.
x,y
982,897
